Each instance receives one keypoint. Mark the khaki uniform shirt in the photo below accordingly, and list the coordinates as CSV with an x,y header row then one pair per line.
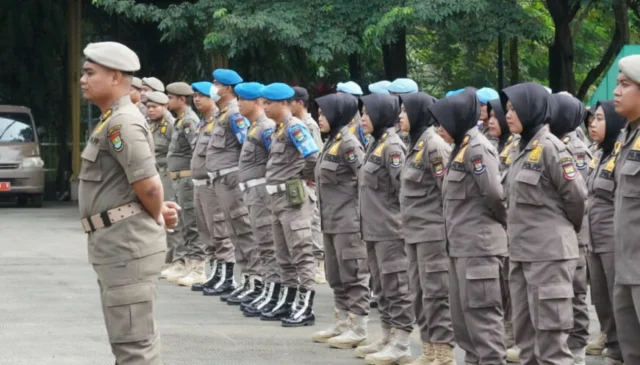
x,y
224,147
582,157
255,150
180,150
547,199
602,191
285,160
627,207
420,191
199,144
161,132
379,185
119,153
474,212
337,183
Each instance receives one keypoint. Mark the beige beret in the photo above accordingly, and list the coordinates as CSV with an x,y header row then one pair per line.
x,y
630,67
157,97
113,55
136,82
153,83
180,89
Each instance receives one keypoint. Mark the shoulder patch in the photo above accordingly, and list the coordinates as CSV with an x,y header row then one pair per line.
x,y
115,138
581,161
351,155
568,170
437,166
535,154
478,165
297,133
240,121
266,137
396,159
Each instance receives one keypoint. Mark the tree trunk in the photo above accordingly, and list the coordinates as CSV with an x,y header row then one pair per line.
x,y
395,57
500,62
561,75
514,61
355,69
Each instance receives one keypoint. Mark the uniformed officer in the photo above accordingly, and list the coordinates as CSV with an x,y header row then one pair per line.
x,y
192,248
567,114
150,84
472,198
209,216
399,87
379,186
346,253
223,156
161,131
380,87
424,231
486,94
626,292
546,200
605,130
135,95
299,105
253,167
292,159
120,200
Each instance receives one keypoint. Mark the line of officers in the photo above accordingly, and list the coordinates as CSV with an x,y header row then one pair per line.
x,y
478,232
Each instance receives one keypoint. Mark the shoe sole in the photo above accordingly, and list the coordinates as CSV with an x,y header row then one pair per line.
x,y
270,319
196,288
347,346
594,352
512,360
303,324
321,339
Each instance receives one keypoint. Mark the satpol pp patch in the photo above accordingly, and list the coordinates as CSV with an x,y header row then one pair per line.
x,y
396,159
115,138
478,166
351,155
568,169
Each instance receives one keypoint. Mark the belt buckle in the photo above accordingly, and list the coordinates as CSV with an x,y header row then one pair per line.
x,y
105,219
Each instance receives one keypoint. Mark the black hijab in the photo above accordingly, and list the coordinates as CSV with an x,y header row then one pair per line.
x,y
339,110
458,113
495,106
531,102
567,113
417,107
383,111
614,123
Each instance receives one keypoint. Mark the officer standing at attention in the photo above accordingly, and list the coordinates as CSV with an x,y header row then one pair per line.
x,y
120,198
299,106
346,253
253,167
292,160
209,216
606,127
399,87
473,198
223,156
150,84
567,114
424,231
192,250
547,199
626,293
379,186
486,94
135,95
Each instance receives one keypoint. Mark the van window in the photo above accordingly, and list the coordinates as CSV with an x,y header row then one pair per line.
x,y
16,127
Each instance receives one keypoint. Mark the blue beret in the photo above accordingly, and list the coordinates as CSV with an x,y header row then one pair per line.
x,y
403,86
226,77
380,87
350,87
249,90
277,91
486,93
453,92
203,87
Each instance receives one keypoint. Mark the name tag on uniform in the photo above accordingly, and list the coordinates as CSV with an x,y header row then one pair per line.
x,y
532,166
634,155
458,166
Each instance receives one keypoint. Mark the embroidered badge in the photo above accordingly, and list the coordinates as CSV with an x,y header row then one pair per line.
x,y
569,171
437,167
593,163
240,121
535,143
396,159
297,133
581,162
351,155
611,164
379,149
187,128
114,137
163,129
418,157
460,155
536,153
334,148
566,139
478,166
266,137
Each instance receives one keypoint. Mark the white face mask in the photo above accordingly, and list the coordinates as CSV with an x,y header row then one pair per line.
x,y
214,93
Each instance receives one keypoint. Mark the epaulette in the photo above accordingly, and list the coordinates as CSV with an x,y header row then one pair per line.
x,y
558,144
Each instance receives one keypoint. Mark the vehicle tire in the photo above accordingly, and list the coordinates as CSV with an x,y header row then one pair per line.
x,y
23,200
36,200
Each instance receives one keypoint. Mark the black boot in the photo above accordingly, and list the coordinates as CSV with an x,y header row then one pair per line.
x,y
244,285
259,299
225,283
251,293
214,276
302,314
284,306
256,307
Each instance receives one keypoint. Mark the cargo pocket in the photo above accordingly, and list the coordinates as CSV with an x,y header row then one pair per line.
x,y
241,220
90,169
218,138
527,188
263,229
483,286
219,227
354,262
328,173
129,313
395,280
413,179
455,189
629,174
276,153
248,154
371,175
436,276
555,310
604,187
300,232
201,145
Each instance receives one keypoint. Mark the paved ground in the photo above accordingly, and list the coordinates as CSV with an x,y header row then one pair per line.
x,y
50,312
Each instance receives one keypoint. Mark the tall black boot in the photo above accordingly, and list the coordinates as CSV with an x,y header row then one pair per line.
x,y
261,297
251,293
268,301
284,306
244,284
302,314
214,276
225,283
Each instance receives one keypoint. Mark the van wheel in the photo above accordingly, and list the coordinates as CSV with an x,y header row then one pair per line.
x,y
22,200
36,200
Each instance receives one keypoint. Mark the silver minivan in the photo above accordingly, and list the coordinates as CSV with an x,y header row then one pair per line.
x,y
21,168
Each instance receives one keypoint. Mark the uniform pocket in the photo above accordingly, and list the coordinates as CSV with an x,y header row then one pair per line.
x,y
483,286
328,172
436,276
201,146
241,221
300,231
263,229
129,313
412,186
371,175
629,174
90,169
354,263
247,154
395,277
555,310
527,188
218,138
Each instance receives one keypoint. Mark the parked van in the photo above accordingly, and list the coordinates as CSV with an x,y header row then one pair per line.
x,y
21,168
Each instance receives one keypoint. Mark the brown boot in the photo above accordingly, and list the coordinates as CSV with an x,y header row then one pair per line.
x,y
428,355
444,354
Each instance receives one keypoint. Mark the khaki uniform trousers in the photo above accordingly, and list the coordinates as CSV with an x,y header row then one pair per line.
x,y
626,309
579,335
175,243
211,226
128,295
262,257
602,275
193,248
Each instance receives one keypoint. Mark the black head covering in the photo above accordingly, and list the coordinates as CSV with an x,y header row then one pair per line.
x,y
417,107
383,111
495,106
590,113
457,113
339,109
567,113
531,102
614,123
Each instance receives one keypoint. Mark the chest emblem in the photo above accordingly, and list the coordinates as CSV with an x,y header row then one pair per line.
x,y
581,162
115,139
536,153
396,159
351,155
568,170
478,165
